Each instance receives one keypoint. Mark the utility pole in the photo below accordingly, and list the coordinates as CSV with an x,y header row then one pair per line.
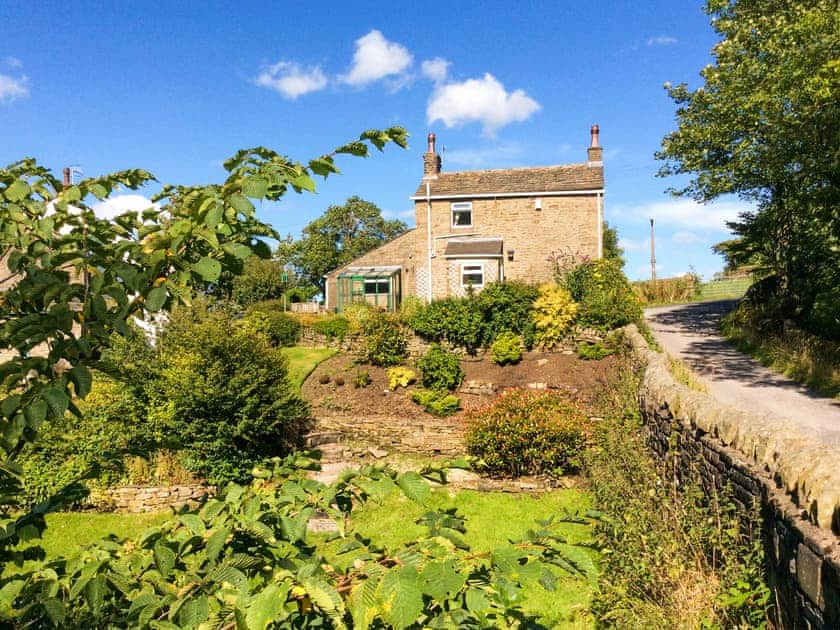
x,y
652,255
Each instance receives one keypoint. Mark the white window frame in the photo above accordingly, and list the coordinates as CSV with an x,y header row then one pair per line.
x,y
461,206
474,269
378,282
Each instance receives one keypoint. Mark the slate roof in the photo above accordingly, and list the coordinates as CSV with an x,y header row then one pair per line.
x,y
535,179
489,247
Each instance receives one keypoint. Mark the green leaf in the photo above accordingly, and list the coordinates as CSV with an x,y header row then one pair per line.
x,y
268,606
414,487
10,405
402,599
304,182
194,523
95,593
18,190
71,194
254,186
35,413
193,612
98,190
82,380
164,559
55,611
241,204
216,543
477,601
57,399
441,580
214,215
208,268
156,299
237,250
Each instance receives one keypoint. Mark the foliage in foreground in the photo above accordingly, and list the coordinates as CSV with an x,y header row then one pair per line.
x,y
670,557
529,433
243,560
603,294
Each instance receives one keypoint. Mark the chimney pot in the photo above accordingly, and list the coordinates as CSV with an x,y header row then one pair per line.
x,y
595,131
431,148
67,177
431,160
595,154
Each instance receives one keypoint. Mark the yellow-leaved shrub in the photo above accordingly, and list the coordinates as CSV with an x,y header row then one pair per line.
x,y
554,313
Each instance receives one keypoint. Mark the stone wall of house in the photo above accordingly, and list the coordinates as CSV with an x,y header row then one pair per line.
x,y
156,498
565,223
425,436
399,251
793,478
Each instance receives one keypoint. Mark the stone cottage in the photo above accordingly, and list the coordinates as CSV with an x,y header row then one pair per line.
x,y
477,227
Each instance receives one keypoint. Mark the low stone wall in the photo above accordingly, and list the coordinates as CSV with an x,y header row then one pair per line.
x,y
794,478
426,436
156,498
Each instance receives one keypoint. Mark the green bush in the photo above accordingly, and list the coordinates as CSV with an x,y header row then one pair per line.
x,y
384,341
456,320
594,351
506,306
332,327
436,402
529,433
507,348
441,369
222,397
283,329
604,294
362,379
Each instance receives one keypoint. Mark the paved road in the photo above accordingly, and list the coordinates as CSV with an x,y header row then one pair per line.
x,y
690,332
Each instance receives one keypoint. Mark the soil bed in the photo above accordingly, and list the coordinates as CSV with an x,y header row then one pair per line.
x,y
331,392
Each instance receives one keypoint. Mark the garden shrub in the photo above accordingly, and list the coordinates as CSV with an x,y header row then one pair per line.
x,y
283,329
594,351
332,327
604,294
553,314
400,377
357,314
222,396
529,433
506,306
441,369
456,320
436,402
384,341
409,307
507,348
362,379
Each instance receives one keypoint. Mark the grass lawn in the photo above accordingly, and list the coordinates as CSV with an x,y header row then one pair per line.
x,y
303,360
492,520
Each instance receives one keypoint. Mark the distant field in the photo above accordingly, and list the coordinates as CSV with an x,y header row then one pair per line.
x,y
683,290
724,289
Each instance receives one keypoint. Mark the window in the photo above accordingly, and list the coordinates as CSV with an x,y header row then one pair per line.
x,y
472,276
462,214
377,286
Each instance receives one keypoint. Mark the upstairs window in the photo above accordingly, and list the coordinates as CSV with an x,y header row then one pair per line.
x,y
462,214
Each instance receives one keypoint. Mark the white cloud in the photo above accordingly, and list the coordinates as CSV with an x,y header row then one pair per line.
x,y
684,213
484,156
632,245
479,100
12,88
377,58
684,236
119,204
292,80
436,69
661,40
13,62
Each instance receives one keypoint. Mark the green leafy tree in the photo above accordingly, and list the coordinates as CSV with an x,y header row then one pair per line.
x,y
340,235
764,126
612,250
78,279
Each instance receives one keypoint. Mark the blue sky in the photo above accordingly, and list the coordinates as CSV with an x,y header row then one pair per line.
x,y
176,88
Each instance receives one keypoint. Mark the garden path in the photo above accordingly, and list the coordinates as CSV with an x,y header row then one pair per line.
x,y
690,332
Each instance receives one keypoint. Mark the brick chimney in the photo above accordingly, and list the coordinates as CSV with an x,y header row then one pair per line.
x,y
66,177
595,154
431,160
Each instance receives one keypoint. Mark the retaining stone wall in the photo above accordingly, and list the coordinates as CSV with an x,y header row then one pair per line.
x,y
795,480
427,436
156,498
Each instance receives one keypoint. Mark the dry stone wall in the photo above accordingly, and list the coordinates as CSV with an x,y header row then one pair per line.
x,y
156,498
426,436
794,479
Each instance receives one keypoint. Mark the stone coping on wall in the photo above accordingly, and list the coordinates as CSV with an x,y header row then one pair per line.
x,y
807,469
